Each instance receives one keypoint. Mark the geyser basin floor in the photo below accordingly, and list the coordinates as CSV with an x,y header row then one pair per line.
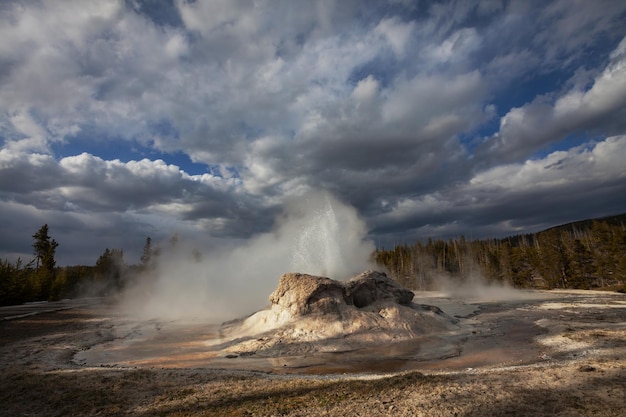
x,y
536,328
580,370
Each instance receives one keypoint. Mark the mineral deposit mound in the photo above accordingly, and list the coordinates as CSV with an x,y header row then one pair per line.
x,y
310,314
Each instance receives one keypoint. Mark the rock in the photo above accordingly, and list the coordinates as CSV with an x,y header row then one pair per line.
x,y
311,314
586,368
371,286
302,294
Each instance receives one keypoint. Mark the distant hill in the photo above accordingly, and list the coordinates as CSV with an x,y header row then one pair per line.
x,y
584,225
577,227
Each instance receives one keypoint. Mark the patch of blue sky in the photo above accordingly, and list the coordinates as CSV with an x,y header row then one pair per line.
x,y
517,95
183,161
161,12
474,138
526,90
571,141
8,135
555,81
383,68
124,150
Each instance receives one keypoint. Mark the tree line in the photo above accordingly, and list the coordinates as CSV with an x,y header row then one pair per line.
x,y
584,255
587,254
42,280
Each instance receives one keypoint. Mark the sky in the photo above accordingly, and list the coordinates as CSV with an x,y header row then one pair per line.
x,y
121,120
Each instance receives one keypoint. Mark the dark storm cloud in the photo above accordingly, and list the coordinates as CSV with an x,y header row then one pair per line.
x,y
434,118
562,187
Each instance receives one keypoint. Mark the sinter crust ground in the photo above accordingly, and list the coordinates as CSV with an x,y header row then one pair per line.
x,y
544,353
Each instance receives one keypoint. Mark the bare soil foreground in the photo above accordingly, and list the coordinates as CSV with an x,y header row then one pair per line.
x,y
557,353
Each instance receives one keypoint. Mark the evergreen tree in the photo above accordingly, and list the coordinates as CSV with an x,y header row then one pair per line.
x,y
44,249
147,252
581,264
44,276
148,256
586,254
109,269
13,282
604,255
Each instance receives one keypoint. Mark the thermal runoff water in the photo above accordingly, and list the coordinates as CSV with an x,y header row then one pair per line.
x,y
316,234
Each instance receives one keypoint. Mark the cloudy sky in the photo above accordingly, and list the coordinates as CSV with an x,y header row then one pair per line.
x,y
126,119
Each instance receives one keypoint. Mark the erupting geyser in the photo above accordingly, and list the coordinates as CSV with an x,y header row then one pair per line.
x,y
317,314
315,234
329,237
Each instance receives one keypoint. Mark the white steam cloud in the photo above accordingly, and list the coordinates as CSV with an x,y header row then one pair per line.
x,y
476,288
316,234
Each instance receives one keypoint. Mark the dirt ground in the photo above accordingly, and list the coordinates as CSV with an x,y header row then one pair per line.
x,y
543,353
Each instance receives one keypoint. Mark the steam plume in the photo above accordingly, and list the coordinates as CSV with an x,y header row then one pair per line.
x,y
316,234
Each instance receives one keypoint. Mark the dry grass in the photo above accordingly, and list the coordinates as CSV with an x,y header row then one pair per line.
x,y
566,390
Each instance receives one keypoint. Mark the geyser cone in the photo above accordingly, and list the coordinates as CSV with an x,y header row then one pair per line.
x,y
315,314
